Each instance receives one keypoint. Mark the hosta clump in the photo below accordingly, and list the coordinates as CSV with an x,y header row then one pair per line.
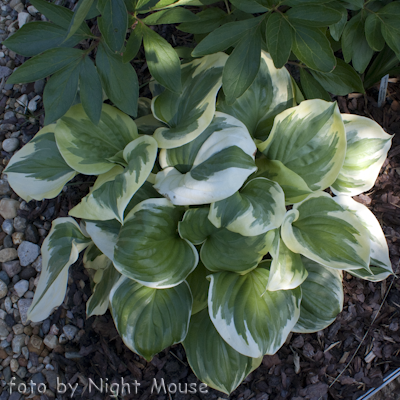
x,y
210,223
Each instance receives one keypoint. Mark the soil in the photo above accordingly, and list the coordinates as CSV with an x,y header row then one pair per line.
x,y
341,362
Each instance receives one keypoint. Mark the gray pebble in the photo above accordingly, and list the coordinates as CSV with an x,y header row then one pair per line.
x,y
8,305
3,329
17,343
3,289
8,242
8,226
15,279
23,306
37,264
9,145
22,371
15,396
27,273
70,331
4,187
20,224
31,234
7,374
39,86
12,267
21,287
4,277
46,326
28,252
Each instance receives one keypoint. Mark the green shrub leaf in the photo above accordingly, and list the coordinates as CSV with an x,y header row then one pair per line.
x,y
322,297
257,107
211,167
279,37
45,64
162,60
91,92
312,47
60,250
341,81
212,360
119,80
312,89
86,146
373,32
207,21
135,308
38,171
264,319
337,29
170,16
367,147
323,231
189,114
113,190
82,9
133,44
242,65
36,37
152,224
316,15
249,6
113,22
199,285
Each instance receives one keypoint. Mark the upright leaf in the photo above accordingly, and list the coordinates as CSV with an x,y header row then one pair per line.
x,y
119,80
82,9
91,92
312,89
279,35
135,308
207,21
162,60
242,65
133,44
316,15
373,32
113,22
60,250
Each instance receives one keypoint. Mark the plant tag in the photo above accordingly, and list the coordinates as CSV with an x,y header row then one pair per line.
x,y
382,90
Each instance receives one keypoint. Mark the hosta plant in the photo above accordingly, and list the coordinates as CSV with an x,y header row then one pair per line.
x,y
221,226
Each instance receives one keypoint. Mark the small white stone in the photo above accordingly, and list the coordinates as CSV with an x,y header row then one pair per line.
x,y
23,100
11,144
21,287
32,10
32,105
23,18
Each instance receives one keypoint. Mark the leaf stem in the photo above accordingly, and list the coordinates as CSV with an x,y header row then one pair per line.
x,y
227,7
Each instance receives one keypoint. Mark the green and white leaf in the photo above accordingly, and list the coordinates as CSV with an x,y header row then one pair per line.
x,y
86,146
94,259
38,171
104,235
323,231
269,94
188,114
257,208
199,285
367,148
60,250
213,361
287,270
210,168
309,140
250,319
113,190
380,264
149,248
104,280
149,320
322,297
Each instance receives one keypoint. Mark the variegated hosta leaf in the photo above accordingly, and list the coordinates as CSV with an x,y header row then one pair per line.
x,y
149,320
322,299
146,191
210,168
113,190
94,259
323,231
310,141
223,250
60,249
199,285
104,280
287,270
270,93
147,124
189,113
104,235
249,318
87,147
257,208
367,147
380,264
38,171
213,361
149,249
